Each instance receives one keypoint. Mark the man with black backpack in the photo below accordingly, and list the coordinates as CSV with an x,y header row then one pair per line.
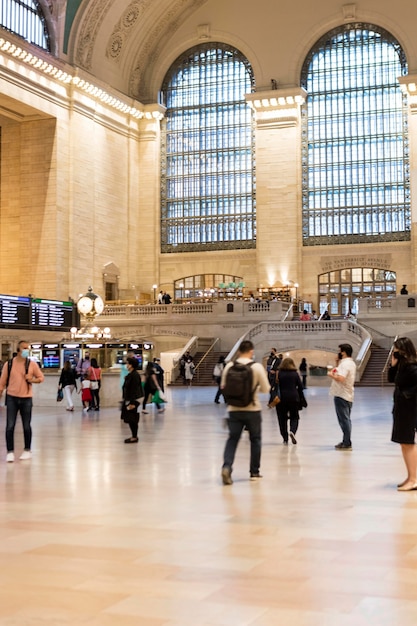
x,y
241,381
17,378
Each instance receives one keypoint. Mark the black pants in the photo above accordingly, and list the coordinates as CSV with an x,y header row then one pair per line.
x,y
237,422
131,417
287,411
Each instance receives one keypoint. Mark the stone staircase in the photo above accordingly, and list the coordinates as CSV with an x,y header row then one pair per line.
x,y
204,373
373,376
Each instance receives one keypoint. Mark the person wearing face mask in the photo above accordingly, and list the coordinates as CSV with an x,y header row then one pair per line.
x,y
132,392
17,377
343,381
403,372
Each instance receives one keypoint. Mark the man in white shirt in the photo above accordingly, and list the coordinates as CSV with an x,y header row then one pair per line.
x,y
248,417
343,380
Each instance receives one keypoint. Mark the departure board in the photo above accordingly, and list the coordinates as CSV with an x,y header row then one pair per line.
x,y
52,314
15,311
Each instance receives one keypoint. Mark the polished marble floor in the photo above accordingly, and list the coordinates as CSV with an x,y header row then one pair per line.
x,y
94,532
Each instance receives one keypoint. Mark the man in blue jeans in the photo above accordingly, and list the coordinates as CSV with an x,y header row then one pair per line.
x,y
343,380
17,378
248,417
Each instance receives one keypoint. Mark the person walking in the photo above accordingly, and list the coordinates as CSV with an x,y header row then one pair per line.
x,y
17,377
189,369
94,374
132,392
403,372
159,371
217,376
291,393
342,389
303,372
150,387
67,382
248,416
272,366
85,390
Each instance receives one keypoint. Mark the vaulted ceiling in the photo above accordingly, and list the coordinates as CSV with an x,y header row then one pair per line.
x,y
119,41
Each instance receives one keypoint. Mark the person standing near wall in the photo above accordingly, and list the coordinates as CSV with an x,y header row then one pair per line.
x,y
17,377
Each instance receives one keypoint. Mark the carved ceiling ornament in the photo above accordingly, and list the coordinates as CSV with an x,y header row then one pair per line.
x,y
123,28
90,26
149,49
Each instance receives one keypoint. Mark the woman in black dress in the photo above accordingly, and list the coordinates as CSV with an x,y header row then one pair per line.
x,y
290,392
132,392
403,372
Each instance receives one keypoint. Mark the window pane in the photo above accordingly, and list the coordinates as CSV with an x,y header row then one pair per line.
x,y
355,150
25,18
207,197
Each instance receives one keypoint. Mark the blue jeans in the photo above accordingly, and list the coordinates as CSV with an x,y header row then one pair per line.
x,y
14,405
237,422
343,409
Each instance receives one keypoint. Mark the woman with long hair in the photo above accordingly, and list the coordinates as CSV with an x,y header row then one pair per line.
x,y
290,391
68,382
403,372
94,374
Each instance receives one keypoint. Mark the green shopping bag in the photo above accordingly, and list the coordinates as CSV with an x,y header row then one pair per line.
x,y
158,398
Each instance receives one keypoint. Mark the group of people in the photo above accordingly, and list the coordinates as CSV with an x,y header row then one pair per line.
x,y
88,372
20,373
164,298
289,386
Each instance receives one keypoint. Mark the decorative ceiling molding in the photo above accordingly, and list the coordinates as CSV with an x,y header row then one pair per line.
x,y
90,26
150,46
124,28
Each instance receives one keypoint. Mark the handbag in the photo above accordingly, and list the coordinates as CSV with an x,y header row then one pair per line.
x,y
275,400
94,383
59,395
158,397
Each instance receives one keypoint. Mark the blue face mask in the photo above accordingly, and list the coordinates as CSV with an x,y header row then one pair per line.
x,y
24,353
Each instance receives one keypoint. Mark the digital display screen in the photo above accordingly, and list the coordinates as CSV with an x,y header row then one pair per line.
x,y
14,311
52,314
50,359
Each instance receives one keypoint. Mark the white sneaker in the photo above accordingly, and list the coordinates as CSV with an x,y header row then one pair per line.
x,y
26,455
10,457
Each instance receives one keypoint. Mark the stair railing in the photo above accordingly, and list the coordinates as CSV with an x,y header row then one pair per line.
x,y
207,352
387,364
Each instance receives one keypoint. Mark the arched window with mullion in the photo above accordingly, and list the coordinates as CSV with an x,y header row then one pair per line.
x,y
207,177
25,18
355,158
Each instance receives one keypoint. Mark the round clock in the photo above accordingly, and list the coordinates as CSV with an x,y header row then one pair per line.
x,y
98,305
85,305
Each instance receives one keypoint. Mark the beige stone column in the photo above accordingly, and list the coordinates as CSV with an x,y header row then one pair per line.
x,y
149,196
278,185
409,86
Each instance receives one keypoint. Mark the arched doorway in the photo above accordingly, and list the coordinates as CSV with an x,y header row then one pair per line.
x,y
340,290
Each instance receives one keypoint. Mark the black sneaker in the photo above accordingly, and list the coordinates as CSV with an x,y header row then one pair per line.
x,y
343,446
255,476
227,476
293,439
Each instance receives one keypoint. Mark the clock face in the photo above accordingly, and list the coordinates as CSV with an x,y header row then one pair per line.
x,y
85,305
99,305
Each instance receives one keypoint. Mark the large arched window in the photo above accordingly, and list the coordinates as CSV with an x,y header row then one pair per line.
x,y
355,151
207,195
25,18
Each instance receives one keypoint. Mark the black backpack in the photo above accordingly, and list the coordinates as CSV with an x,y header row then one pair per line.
x,y
239,389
